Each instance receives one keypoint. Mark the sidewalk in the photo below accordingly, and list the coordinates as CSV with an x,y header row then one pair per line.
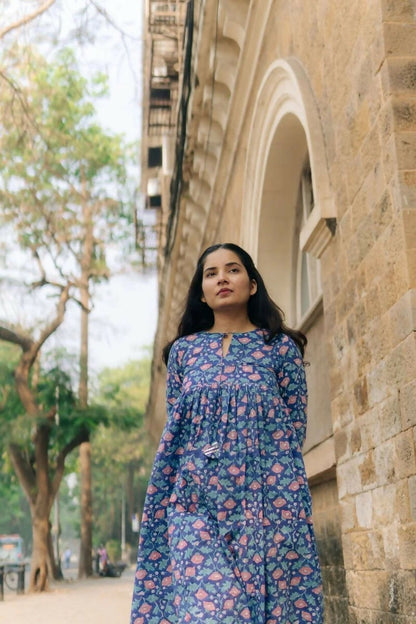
x,y
90,601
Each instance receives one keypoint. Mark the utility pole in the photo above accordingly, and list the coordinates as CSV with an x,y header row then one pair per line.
x,y
123,525
57,517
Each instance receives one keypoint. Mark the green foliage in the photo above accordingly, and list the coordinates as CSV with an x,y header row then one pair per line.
x,y
113,549
121,448
15,514
55,159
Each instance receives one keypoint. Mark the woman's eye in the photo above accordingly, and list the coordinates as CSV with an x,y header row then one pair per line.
x,y
235,270
209,274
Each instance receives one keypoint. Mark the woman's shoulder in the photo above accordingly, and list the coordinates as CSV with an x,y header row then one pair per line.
x,y
187,341
182,344
284,345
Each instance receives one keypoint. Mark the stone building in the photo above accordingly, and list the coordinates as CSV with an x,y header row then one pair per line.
x,y
290,128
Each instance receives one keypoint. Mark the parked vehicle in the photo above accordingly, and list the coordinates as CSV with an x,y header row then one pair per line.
x,y
11,549
113,569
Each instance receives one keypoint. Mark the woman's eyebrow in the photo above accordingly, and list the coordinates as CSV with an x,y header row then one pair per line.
x,y
228,264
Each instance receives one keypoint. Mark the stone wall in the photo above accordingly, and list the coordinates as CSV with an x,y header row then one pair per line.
x,y
328,533
359,59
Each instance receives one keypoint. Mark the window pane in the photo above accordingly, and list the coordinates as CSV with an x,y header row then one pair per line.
x,y
304,286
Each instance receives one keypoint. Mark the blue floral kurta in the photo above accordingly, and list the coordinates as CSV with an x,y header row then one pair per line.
x,y
226,533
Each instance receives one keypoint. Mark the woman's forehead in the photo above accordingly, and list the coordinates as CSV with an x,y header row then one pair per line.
x,y
220,257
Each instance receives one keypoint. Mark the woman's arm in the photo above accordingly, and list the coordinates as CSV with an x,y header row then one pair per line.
x,y
292,384
174,375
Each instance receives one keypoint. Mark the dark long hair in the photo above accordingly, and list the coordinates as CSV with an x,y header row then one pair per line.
x,y
262,310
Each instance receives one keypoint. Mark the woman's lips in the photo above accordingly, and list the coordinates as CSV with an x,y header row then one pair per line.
x,y
224,291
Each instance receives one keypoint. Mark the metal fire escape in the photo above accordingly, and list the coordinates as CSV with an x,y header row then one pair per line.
x,y
165,28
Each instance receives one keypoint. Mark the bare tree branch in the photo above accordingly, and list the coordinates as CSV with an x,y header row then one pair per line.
x,y
56,322
10,335
24,471
27,18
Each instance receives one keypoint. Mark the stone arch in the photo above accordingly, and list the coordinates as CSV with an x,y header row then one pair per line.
x,y
285,128
286,132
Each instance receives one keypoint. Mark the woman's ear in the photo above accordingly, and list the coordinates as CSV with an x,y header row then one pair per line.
x,y
203,299
253,287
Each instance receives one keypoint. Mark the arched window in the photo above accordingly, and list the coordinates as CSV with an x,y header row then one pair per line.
x,y
308,290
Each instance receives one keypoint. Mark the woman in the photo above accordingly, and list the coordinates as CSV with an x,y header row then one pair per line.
x,y
226,534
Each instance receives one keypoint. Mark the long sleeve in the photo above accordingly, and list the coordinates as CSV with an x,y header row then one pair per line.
x,y
292,384
174,376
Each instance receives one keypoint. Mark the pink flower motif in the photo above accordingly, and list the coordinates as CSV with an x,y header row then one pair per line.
x,y
201,594
215,576
145,608
208,605
300,603
230,503
154,555
305,570
245,575
204,535
279,502
306,616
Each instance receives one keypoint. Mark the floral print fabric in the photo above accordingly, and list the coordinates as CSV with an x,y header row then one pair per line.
x,y
226,533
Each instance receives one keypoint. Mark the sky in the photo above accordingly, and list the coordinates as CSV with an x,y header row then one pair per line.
x,y
123,320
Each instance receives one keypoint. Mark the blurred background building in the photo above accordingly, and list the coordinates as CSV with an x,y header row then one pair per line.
x,y
290,128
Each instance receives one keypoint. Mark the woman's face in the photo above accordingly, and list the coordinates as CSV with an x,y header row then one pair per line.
x,y
225,281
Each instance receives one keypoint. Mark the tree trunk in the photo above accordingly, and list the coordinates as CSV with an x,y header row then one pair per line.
x,y
40,565
85,557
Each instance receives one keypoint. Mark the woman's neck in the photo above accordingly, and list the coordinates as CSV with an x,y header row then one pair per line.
x,y
231,324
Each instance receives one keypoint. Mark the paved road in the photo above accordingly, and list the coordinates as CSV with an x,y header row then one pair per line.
x,y
91,601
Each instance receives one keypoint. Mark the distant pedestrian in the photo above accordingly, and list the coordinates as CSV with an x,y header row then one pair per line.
x,y
103,560
67,557
226,534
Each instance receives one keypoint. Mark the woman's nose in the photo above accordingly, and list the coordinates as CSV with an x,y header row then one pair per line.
x,y
222,278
